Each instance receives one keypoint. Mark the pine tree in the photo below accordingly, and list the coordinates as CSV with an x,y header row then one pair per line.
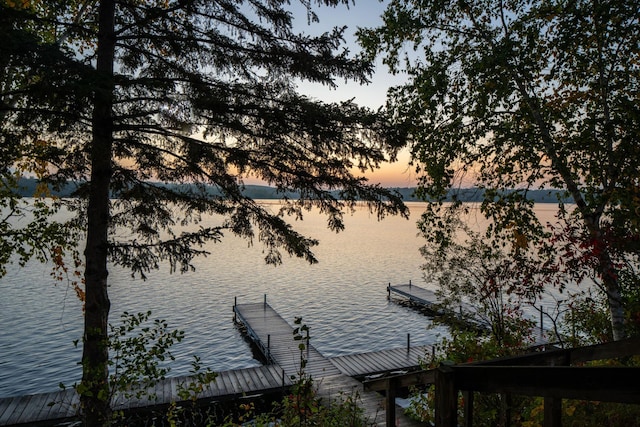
x,y
160,109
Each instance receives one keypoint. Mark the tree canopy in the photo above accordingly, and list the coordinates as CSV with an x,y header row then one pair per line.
x,y
129,95
525,95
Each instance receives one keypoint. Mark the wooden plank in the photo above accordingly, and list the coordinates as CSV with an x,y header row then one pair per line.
x,y
22,402
54,404
10,406
252,380
343,366
262,377
51,406
228,384
4,405
382,359
72,402
607,384
38,406
210,390
361,365
238,382
243,384
222,385
174,390
276,374
232,381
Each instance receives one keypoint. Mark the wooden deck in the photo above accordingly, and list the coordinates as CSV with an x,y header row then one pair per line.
x,y
60,406
427,298
424,297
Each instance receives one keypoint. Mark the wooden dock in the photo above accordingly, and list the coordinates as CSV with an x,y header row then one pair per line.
x,y
428,299
424,297
466,313
61,406
274,337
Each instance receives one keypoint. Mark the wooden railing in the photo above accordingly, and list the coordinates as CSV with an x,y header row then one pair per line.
x,y
548,374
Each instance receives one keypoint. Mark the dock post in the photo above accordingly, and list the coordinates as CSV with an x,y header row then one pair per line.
x,y
408,342
235,304
265,301
389,291
269,348
541,317
409,283
390,404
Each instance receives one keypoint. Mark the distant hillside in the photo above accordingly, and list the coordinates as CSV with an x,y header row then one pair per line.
x,y
477,195
27,187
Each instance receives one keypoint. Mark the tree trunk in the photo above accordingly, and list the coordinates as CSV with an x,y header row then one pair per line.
x,y
609,276
612,286
94,389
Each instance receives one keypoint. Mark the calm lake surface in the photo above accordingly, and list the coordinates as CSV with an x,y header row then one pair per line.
x,y
342,299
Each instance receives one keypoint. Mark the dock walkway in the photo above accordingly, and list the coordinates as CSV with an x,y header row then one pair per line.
x,y
61,406
428,299
367,364
274,336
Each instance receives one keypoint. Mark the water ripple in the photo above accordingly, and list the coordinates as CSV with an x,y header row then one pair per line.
x,y
342,299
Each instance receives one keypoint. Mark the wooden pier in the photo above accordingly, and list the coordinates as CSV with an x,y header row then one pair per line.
x,y
466,313
274,337
391,361
428,299
62,406
424,297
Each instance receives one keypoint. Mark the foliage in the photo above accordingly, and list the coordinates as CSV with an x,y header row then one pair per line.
x,y
505,97
140,358
137,356
28,226
472,271
464,346
585,323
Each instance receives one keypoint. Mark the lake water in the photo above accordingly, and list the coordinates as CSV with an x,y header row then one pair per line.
x,y
342,299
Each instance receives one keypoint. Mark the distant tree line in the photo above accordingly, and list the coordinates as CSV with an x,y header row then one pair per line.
x,y
28,187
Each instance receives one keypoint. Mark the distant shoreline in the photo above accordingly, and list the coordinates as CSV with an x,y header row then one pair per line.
x,y
27,187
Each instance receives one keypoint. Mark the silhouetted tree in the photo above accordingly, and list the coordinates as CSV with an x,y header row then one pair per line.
x,y
139,94
524,95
